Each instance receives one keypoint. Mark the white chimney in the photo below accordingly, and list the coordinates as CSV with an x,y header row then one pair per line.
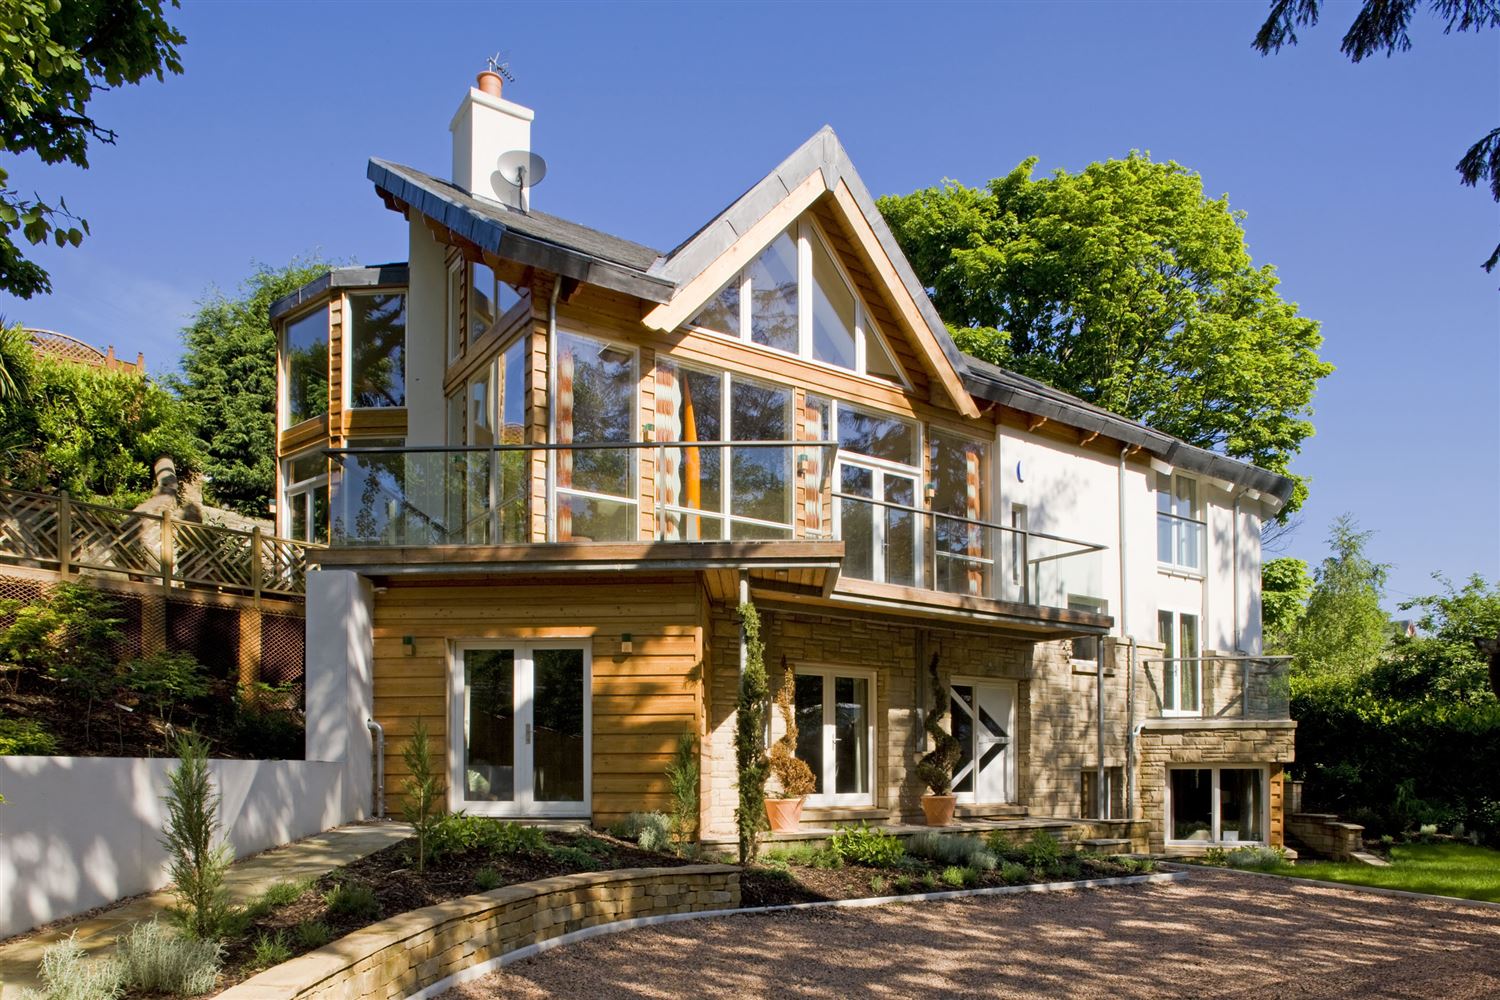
x,y
484,128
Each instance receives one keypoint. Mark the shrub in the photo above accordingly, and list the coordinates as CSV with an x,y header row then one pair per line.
x,y
879,885
1215,856
955,876
792,774
804,855
164,680
936,767
1003,848
574,857
284,893
197,867
267,724
682,781
270,949
154,960
422,808
68,635
458,832
25,737
1042,851
929,881
68,975
1012,873
310,934
651,830
749,749
865,845
352,899
486,879
951,849
1257,857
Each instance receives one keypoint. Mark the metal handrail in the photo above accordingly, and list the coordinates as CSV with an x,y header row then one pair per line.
x,y
574,446
1087,546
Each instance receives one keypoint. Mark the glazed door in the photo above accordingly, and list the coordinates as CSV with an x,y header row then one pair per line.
x,y
520,725
984,723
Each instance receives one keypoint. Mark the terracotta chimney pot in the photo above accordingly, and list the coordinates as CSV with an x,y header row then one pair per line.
x,y
489,83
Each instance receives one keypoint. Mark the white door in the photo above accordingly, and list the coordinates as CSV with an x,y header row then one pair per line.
x,y
520,725
984,723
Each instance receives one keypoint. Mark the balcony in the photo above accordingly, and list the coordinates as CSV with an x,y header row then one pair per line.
x,y
728,502
1218,688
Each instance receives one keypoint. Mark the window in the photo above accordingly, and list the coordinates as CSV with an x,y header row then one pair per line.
x,y
796,297
306,491
1181,690
836,734
960,472
377,349
596,403
1016,544
705,492
1085,649
1216,805
877,479
370,501
1088,802
306,354
455,311
490,299
1179,524
492,412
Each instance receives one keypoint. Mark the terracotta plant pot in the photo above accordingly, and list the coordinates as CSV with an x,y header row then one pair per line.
x,y
939,809
784,814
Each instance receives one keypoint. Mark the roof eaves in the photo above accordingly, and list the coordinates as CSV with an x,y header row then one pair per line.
x,y
375,276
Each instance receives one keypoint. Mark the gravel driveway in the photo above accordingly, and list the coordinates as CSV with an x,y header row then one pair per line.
x,y
1220,934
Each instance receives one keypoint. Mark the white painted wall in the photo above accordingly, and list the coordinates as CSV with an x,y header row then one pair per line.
x,y
339,680
79,832
485,128
426,337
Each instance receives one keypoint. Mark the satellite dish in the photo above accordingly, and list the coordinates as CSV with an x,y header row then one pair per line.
x,y
522,168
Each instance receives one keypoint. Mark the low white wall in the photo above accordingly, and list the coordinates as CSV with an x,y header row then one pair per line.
x,y
79,832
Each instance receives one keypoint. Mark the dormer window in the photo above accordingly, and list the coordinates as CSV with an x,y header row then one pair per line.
x,y
796,297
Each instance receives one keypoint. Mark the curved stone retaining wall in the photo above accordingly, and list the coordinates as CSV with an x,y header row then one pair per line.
x,y
400,956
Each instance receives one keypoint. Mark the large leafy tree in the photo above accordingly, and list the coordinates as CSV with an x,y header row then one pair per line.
x,y
1285,585
1128,286
1382,26
228,379
1448,658
1344,630
93,432
53,55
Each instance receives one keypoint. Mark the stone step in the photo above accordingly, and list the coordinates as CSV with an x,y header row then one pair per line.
x,y
1105,843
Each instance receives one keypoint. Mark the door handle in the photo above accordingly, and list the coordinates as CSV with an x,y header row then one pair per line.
x,y
528,734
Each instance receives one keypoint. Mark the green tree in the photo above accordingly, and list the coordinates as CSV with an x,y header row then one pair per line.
x,y
53,55
1285,585
749,735
1446,660
1381,26
93,432
1343,631
228,378
1128,286
197,866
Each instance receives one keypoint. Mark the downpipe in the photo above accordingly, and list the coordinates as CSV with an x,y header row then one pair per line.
x,y
379,750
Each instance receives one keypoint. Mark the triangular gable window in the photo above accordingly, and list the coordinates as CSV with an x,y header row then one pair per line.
x,y
795,297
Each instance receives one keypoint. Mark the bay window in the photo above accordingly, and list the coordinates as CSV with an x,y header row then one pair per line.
x,y
305,479
1179,523
594,488
376,337
835,733
305,371
1216,805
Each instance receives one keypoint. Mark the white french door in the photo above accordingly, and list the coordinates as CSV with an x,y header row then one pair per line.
x,y
881,543
984,723
520,723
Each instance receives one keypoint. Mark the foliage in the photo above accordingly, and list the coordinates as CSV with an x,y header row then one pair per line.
x,y
1445,659
197,867
53,54
68,974
352,899
749,747
958,877
951,849
806,856
1127,285
1257,858
283,893
682,782
866,845
651,830
1042,851
1285,585
1012,873
67,635
310,934
486,879
1343,630
1215,857
422,807
25,738
1381,26
792,774
457,833
163,680
267,722
270,949
228,379
573,857
153,959
936,766
93,432
1460,870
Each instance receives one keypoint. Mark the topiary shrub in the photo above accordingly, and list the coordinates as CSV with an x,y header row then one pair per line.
x,y
792,774
936,767
749,747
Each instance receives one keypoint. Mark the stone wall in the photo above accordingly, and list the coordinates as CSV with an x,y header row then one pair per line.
x,y
1211,743
397,957
1323,834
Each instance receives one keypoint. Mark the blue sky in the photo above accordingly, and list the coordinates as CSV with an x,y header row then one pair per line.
x,y
653,117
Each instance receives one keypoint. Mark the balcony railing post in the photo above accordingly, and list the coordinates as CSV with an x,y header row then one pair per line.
x,y
64,533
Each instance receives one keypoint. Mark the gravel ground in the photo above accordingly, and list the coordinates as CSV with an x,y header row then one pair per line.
x,y
1220,934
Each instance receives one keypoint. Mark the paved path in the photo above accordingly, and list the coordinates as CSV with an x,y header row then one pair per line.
x,y
1220,934
247,879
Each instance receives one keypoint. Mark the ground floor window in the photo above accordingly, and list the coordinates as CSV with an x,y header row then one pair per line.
x,y
836,735
306,492
1088,802
1219,805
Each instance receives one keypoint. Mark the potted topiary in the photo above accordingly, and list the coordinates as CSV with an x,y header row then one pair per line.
x,y
793,776
936,767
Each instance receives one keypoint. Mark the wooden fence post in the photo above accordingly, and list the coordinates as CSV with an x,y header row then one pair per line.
x,y
64,533
257,571
166,552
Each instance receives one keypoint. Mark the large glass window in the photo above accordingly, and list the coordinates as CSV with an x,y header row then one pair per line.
x,y
773,295
960,474
835,735
833,310
377,349
878,484
1179,523
306,492
306,340
490,299
371,496
596,400
1216,805
495,486
877,435
1181,689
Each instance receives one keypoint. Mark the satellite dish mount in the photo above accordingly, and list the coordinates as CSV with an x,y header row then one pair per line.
x,y
522,169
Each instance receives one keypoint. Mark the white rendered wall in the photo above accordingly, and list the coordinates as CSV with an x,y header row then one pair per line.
x,y
339,679
79,832
426,338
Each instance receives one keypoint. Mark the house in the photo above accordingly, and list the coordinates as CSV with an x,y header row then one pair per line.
x,y
549,464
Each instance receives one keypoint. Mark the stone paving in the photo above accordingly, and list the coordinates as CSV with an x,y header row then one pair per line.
x,y
247,879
